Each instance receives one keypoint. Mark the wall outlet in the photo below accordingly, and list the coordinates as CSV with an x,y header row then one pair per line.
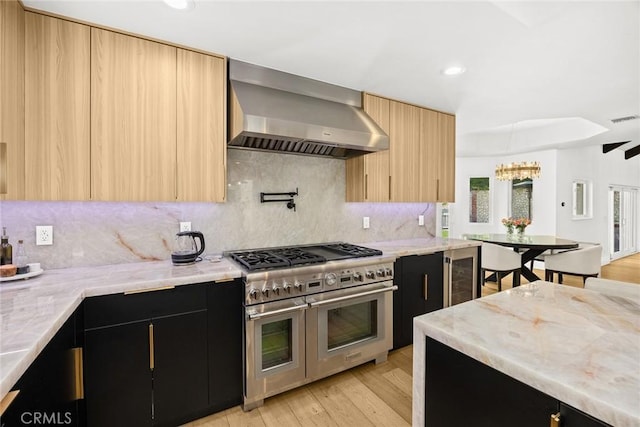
x,y
365,222
185,225
44,235
421,220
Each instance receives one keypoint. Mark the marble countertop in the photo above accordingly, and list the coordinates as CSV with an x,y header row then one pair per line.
x,y
421,246
33,310
576,345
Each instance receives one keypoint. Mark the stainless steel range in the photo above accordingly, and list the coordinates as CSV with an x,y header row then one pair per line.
x,y
312,311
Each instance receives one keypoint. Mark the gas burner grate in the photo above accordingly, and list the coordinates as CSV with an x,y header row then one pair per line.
x,y
297,256
354,251
275,258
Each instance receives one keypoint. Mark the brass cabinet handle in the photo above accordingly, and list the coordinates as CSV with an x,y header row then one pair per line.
x,y
6,401
3,167
555,420
141,291
425,284
78,376
437,190
152,361
389,187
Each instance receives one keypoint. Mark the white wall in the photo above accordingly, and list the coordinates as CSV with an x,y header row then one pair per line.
x,y
559,168
544,194
602,170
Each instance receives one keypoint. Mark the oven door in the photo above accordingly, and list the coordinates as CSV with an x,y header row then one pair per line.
x,y
274,349
348,327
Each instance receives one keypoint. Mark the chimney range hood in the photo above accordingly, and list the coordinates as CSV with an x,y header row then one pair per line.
x,y
271,110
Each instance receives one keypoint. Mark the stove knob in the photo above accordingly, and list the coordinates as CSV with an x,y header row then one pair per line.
x,y
253,294
388,272
380,273
286,287
276,290
298,286
357,276
370,275
265,292
330,279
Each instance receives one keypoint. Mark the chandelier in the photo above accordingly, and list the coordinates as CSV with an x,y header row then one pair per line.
x,y
513,171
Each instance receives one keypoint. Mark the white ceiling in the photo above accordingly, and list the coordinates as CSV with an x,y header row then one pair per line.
x,y
528,63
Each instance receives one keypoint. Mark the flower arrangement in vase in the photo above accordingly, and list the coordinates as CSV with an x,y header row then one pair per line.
x,y
516,223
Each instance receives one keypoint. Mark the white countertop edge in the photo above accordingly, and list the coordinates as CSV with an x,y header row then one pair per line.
x,y
589,404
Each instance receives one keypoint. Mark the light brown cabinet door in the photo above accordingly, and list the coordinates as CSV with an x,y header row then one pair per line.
x,y
447,155
368,175
133,118
11,100
405,152
429,155
57,83
202,149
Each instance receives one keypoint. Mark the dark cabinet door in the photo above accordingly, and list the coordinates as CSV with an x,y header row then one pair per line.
x,y
225,316
420,282
571,417
47,388
180,384
461,391
117,375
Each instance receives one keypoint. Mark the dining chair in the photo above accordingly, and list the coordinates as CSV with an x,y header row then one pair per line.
x,y
584,262
501,261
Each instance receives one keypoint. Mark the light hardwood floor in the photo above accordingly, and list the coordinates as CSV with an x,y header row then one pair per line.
x,y
368,395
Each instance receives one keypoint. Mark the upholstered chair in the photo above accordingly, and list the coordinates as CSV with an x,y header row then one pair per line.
x,y
584,262
502,261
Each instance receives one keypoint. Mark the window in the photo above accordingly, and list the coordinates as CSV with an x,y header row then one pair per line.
x,y
521,198
581,199
479,200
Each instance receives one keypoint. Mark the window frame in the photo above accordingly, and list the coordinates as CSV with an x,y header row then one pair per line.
x,y
587,199
490,202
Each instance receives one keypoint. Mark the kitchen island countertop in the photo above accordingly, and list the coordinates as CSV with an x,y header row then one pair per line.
x,y
420,246
579,346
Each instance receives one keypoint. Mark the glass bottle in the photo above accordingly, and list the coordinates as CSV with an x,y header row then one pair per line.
x,y
21,258
6,250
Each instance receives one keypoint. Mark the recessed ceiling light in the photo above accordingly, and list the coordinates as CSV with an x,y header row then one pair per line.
x,y
456,70
181,4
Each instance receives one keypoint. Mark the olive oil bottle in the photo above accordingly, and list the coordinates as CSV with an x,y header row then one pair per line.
x,y
6,250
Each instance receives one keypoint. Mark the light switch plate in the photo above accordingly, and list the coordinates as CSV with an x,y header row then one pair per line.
x,y
365,222
185,226
420,219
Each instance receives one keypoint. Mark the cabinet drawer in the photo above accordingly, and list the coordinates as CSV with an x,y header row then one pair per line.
x,y
120,308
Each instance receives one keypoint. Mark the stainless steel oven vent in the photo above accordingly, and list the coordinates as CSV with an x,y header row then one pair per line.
x,y
274,111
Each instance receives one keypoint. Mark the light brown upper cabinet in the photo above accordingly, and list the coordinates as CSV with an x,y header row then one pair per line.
x,y
368,176
11,100
133,118
420,163
202,149
57,82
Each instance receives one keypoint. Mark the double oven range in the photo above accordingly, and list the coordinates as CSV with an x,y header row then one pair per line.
x,y
312,311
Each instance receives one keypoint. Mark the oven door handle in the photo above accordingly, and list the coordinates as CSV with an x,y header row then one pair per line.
x,y
255,316
348,297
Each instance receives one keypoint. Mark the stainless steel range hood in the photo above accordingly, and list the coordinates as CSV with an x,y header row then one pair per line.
x,y
275,111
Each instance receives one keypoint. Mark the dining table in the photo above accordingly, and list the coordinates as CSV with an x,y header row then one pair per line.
x,y
529,245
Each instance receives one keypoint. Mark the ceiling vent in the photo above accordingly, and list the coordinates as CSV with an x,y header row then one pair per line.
x,y
625,119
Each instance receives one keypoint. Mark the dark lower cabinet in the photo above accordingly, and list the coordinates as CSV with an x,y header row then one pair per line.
x,y
117,375
50,390
146,357
225,317
461,391
420,290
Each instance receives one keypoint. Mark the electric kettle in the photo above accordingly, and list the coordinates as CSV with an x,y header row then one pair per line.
x,y
185,250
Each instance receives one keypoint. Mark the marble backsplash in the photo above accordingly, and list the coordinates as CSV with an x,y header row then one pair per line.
x,y
99,233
